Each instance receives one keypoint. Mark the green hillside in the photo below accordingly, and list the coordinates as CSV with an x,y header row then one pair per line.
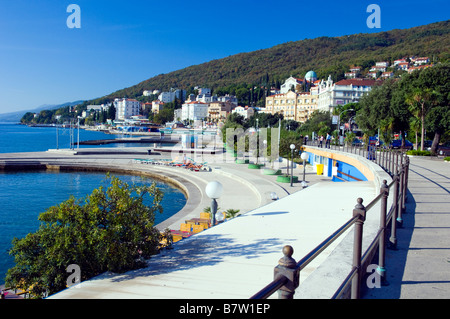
x,y
325,55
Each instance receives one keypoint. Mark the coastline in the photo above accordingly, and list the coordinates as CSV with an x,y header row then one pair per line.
x,y
253,191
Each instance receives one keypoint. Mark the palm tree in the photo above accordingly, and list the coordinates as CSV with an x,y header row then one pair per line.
x,y
420,102
415,124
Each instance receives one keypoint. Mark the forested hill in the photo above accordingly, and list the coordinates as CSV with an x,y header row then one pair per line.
x,y
325,55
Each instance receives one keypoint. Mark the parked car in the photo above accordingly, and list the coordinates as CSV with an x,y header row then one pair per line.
x,y
398,144
444,149
427,145
357,142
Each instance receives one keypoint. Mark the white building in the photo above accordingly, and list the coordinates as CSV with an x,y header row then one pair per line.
x,y
126,108
246,111
289,84
157,106
194,111
167,97
342,92
228,98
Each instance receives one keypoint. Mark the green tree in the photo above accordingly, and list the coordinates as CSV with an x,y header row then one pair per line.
x,y
110,230
420,102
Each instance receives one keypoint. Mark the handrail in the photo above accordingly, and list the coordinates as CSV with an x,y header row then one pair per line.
x,y
302,263
268,290
288,280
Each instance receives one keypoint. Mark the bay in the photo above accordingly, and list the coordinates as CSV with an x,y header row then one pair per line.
x,y
24,195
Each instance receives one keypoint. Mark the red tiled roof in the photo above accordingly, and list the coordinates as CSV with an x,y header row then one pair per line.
x,y
364,82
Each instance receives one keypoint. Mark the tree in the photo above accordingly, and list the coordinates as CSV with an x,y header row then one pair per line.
x,y
384,108
111,230
420,102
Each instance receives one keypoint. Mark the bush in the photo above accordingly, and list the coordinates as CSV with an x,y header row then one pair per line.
x,y
418,153
447,159
111,230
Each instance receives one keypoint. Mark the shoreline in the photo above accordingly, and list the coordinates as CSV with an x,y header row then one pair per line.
x,y
185,186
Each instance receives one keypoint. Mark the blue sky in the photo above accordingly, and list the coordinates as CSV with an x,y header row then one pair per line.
x,y
121,43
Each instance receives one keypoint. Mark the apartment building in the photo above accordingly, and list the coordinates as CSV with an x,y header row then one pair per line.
x,y
193,111
343,92
293,106
126,108
218,111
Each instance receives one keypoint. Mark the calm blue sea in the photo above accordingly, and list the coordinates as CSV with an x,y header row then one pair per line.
x,y
24,195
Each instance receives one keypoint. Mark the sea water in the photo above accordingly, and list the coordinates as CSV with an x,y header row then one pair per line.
x,y
24,195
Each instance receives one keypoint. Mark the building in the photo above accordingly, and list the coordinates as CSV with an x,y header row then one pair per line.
x,y
343,92
126,108
290,83
419,67
311,76
403,66
244,111
421,61
194,111
228,99
306,105
218,111
167,97
293,106
157,106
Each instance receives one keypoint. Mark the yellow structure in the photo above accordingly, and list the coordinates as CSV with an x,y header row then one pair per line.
x,y
293,106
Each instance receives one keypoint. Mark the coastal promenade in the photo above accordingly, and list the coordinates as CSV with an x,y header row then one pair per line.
x,y
420,267
236,258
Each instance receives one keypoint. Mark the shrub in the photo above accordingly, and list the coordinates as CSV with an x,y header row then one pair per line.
x,y
418,153
111,230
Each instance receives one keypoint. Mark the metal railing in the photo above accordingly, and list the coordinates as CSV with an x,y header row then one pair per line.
x,y
287,272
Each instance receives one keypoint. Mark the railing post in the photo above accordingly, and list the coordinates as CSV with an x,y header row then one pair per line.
x,y
382,241
360,212
405,183
393,238
287,268
400,196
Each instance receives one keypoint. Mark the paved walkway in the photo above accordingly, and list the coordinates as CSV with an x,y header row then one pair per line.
x,y
213,263
420,268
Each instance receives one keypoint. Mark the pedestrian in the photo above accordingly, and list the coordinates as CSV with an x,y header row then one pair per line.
x,y
328,141
320,140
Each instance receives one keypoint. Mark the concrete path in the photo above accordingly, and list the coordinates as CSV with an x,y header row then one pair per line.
x,y
235,259
420,268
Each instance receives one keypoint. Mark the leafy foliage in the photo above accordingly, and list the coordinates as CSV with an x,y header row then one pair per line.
x,y
110,230
417,102
269,67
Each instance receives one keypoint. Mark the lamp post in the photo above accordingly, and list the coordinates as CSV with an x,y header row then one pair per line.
x,y
304,157
292,146
214,190
339,119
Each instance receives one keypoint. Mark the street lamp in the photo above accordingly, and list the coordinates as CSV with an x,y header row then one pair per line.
x,y
214,190
304,157
339,119
292,146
